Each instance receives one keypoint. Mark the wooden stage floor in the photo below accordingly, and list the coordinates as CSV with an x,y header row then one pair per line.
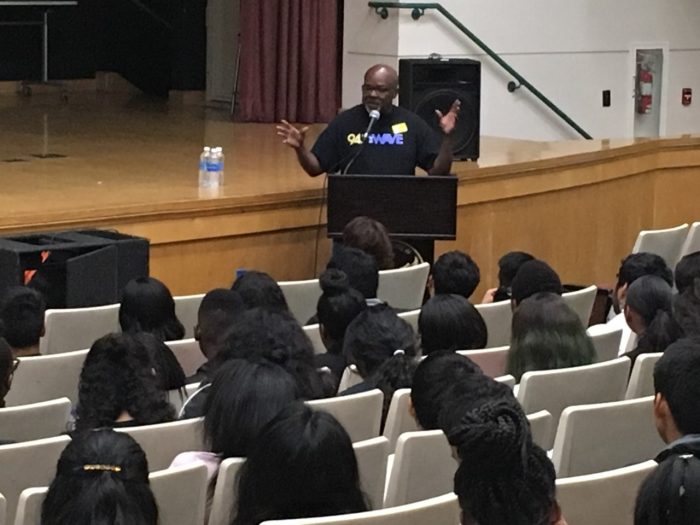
x,y
130,162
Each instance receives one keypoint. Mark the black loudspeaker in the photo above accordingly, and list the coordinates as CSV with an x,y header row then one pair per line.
x,y
429,84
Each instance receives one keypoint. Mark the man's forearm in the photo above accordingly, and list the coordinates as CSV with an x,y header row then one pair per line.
x,y
443,162
308,161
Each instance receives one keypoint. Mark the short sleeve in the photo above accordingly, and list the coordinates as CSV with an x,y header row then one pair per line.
x,y
326,147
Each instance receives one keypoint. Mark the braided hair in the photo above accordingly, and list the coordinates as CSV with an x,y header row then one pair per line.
x,y
503,478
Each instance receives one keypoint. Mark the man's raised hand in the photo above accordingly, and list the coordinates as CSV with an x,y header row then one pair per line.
x,y
448,121
291,136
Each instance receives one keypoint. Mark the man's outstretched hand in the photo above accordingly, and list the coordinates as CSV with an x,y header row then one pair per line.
x,y
291,136
448,121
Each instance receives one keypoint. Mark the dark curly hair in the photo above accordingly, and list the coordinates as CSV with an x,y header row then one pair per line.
x,y
117,377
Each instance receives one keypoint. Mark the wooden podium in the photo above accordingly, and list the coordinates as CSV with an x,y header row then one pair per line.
x,y
415,209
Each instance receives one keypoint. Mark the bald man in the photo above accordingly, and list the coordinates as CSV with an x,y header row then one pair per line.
x,y
399,141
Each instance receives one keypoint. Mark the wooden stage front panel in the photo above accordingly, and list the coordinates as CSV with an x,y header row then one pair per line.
x,y
131,164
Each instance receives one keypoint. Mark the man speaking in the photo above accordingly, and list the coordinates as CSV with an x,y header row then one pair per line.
x,y
377,137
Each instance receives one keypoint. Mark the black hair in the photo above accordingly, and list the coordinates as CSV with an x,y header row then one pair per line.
x,y
338,305
383,347
533,277
22,312
686,310
433,380
6,364
651,298
259,290
148,306
217,312
670,495
450,322
547,334
275,336
169,372
456,272
360,267
503,477
302,466
637,265
101,479
687,270
117,377
508,266
677,379
371,237
244,397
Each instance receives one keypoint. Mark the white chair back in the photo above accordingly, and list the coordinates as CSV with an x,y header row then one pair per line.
x,y
423,468
604,497
3,509
404,288
692,241
186,310
35,421
443,510
163,441
69,329
188,354
604,436
554,390
492,361
225,492
313,332
302,298
642,379
581,302
667,243
29,506
350,377
541,424
45,377
181,494
506,380
498,318
372,456
411,317
606,341
28,464
360,414
398,419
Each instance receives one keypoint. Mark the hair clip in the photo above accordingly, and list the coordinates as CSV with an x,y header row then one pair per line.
x,y
399,351
102,468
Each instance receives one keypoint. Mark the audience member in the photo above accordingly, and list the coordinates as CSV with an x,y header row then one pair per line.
x,y
686,310
648,311
337,307
168,371
361,270
534,277
22,314
450,322
118,386
383,348
101,478
148,306
456,273
8,365
217,313
302,466
259,290
371,237
633,267
687,270
547,334
508,266
503,477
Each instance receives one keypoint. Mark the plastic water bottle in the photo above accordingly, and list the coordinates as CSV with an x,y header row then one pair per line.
x,y
215,168
203,159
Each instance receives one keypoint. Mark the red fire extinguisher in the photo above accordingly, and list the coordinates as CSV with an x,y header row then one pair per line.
x,y
645,87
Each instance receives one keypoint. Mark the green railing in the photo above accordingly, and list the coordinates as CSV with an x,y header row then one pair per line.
x,y
419,8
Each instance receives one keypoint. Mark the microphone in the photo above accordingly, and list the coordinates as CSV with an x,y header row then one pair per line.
x,y
373,117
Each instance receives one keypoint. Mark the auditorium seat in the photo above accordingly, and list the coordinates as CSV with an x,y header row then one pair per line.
x,y
404,288
181,494
604,497
606,341
350,377
225,492
498,318
398,418
411,317
372,456
360,414
313,332
506,380
667,243
29,506
186,309
642,378
541,424
302,298
37,379
69,329
692,240
554,390
605,436
492,361
35,421
188,354
581,302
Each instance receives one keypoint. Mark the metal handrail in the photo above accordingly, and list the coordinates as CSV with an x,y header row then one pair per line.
x,y
155,16
418,9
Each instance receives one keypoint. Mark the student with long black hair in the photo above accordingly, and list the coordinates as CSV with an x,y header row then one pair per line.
x,y
450,322
148,306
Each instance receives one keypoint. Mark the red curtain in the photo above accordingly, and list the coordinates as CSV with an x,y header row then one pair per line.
x,y
289,65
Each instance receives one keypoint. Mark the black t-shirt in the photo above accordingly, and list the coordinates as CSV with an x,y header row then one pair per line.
x,y
400,140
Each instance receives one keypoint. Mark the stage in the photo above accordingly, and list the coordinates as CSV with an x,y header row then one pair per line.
x,y
130,163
